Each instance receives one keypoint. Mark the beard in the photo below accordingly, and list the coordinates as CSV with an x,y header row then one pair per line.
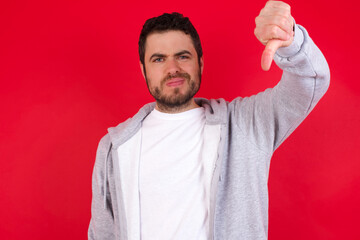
x,y
175,99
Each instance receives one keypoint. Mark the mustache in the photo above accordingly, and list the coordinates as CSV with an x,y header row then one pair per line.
x,y
177,75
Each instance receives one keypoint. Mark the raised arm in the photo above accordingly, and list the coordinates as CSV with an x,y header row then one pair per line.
x,y
269,117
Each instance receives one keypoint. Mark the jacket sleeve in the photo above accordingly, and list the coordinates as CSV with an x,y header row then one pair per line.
x,y
269,117
102,218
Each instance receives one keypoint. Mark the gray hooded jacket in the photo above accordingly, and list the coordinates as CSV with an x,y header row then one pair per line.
x,y
249,131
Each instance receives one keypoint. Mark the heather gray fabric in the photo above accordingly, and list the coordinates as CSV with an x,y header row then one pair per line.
x,y
252,128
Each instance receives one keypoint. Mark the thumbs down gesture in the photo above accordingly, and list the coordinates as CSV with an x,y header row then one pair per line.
x,y
274,29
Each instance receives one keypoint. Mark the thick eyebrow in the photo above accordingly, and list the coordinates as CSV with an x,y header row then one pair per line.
x,y
159,55
182,52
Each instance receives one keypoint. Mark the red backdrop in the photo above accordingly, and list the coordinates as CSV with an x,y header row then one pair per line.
x,y
69,69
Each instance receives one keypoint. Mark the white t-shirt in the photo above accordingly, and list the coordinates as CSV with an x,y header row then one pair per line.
x,y
174,191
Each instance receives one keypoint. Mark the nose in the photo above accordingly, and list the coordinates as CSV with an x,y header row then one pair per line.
x,y
172,66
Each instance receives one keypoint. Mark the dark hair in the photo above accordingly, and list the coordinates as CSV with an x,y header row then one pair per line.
x,y
166,22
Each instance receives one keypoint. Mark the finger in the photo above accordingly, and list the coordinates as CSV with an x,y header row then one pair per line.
x,y
268,53
277,4
275,11
275,32
282,21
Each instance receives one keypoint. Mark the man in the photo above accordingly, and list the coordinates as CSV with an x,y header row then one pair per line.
x,y
185,168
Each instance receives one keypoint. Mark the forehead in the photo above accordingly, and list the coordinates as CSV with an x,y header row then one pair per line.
x,y
168,42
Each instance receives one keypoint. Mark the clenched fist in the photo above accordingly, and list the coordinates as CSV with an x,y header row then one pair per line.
x,y
274,29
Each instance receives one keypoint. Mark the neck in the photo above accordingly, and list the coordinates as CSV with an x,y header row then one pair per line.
x,y
177,109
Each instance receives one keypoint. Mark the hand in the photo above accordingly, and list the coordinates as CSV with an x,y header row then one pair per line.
x,y
274,29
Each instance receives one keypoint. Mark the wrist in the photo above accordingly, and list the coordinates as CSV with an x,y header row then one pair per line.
x,y
295,45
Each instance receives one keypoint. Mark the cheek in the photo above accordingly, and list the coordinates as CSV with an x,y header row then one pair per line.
x,y
193,70
188,67
152,73
154,77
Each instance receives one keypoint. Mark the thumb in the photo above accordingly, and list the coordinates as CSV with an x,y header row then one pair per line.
x,y
268,53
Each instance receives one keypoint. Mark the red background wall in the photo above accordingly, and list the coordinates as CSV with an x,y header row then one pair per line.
x,y
69,70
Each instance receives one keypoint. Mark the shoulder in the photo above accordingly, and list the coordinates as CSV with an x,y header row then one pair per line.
x,y
216,110
125,130
102,150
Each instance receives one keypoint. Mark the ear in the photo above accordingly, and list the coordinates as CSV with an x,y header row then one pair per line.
x,y
201,64
142,69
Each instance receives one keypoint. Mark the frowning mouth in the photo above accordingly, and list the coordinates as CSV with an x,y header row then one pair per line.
x,y
175,82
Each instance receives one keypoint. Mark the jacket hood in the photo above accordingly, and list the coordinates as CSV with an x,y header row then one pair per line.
x,y
125,130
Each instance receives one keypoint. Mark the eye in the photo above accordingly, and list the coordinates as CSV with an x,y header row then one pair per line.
x,y
158,59
183,57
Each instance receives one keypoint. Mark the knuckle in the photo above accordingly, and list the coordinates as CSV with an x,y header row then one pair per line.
x,y
257,34
273,31
262,12
284,5
284,21
271,3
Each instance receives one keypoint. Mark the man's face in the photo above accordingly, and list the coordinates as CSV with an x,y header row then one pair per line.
x,y
172,69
